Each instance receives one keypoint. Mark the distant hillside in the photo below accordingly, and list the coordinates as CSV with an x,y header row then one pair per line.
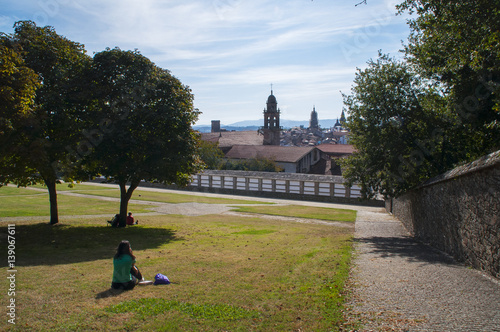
x,y
207,129
249,125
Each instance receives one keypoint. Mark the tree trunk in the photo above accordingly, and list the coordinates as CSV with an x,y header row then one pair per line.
x,y
54,214
125,196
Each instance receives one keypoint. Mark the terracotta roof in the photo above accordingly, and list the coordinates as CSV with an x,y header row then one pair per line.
x,y
230,138
289,154
336,148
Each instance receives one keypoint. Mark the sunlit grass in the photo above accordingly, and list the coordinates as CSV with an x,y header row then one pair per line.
x,y
301,211
11,190
228,273
149,195
16,202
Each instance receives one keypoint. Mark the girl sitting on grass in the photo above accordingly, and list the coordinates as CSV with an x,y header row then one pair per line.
x,y
125,274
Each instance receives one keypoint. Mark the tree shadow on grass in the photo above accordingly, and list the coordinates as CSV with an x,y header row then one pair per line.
x,y
43,244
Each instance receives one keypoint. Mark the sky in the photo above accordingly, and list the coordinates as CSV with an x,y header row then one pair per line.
x,y
231,52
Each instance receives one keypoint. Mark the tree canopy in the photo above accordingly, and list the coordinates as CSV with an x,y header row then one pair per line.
x,y
457,44
65,115
142,118
398,138
40,149
18,84
211,155
415,118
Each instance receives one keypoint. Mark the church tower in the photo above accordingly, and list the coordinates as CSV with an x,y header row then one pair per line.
x,y
271,128
313,122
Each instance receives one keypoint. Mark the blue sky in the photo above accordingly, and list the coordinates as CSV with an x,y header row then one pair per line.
x,y
230,51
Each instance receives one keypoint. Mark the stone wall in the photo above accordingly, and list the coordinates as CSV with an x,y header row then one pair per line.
x,y
458,213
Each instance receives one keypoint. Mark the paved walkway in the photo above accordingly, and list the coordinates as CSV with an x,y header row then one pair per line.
x,y
401,285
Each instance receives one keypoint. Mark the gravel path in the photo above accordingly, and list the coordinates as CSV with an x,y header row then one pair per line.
x,y
402,285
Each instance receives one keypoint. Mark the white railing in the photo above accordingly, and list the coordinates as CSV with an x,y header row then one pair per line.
x,y
321,186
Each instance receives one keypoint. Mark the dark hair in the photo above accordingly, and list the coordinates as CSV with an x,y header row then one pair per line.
x,y
124,249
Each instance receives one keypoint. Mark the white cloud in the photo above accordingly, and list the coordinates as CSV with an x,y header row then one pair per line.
x,y
229,51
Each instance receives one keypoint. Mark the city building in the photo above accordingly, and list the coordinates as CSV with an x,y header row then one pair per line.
x,y
291,159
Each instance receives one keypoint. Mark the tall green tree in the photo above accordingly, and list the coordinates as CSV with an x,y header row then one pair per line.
x,y
18,85
142,124
443,108
397,135
457,44
59,104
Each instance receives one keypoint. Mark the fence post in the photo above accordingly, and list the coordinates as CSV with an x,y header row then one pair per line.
x,y
316,188
347,192
235,182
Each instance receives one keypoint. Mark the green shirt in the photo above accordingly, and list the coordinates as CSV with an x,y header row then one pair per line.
x,y
121,268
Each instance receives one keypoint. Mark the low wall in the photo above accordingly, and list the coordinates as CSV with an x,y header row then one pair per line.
x,y
295,186
458,213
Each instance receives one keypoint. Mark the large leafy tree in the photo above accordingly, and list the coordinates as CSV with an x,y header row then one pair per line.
x,y
398,137
58,108
18,85
457,44
414,119
142,123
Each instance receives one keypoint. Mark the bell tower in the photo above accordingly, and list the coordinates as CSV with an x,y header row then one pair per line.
x,y
313,122
271,128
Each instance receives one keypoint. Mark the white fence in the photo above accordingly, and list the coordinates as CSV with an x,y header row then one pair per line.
x,y
311,185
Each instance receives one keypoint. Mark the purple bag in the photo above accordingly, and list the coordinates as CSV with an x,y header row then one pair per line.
x,y
161,279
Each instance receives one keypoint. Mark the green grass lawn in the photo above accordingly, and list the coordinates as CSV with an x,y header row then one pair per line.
x,y
228,273
16,202
302,212
147,195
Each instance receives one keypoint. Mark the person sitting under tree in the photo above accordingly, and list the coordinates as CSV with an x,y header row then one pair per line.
x,y
130,219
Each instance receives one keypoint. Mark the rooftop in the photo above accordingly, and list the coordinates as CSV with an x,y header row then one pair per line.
x,y
337,148
230,138
277,153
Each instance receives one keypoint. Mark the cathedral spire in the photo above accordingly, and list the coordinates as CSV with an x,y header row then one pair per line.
x,y
342,118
